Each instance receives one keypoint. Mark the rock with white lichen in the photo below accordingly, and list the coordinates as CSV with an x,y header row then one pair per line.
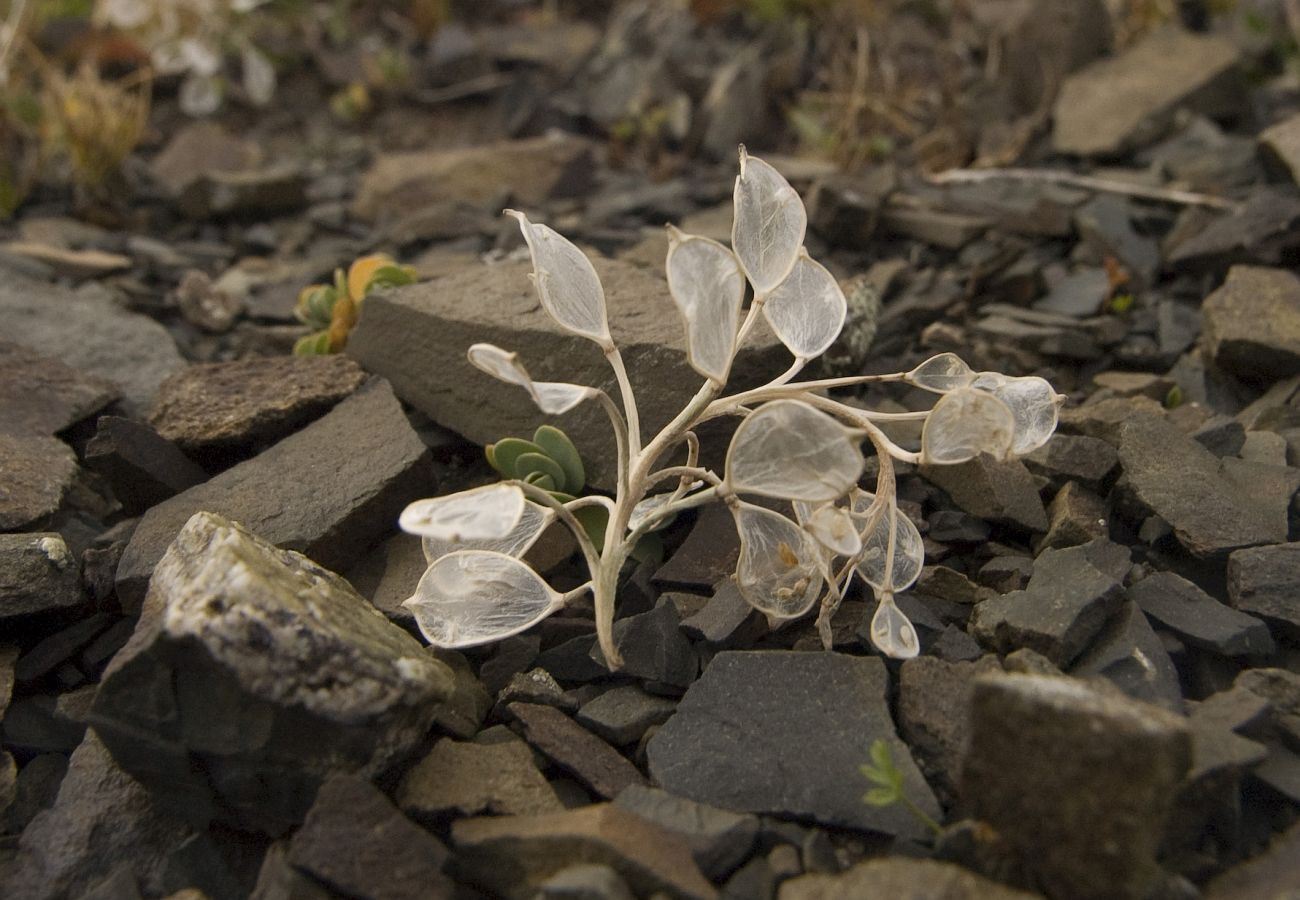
x,y
255,674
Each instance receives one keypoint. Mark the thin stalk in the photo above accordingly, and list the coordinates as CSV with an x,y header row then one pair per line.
x,y
620,428
569,596
629,400
536,494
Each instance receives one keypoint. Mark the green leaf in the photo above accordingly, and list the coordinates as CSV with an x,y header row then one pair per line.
x,y
388,276
594,520
492,459
563,497
650,549
556,444
880,796
541,480
316,344
527,463
507,450
881,756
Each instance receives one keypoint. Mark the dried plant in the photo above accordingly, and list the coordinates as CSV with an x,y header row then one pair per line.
x,y
794,444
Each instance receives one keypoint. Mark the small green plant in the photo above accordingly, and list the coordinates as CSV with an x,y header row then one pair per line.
x,y
887,781
333,309
793,444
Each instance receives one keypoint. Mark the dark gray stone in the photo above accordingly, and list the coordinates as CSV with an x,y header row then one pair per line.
x,y
1105,224
1197,618
1074,457
585,882
91,333
254,675
142,467
1076,516
253,193
60,647
1221,435
360,845
217,408
707,556
1171,475
305,493
622,714
36,471
461,715
1132,657
1080,294
575,749
1265,582
1166,70
654,648
41,395
726,619
719,840
1064,606
1251,324
1272,873
102,818
35,789
933,707
8,656
536,686
1041,770
469,779
957,527
1261,231
809,716
387,575
277,880
996,490
37,575
48,723
416,337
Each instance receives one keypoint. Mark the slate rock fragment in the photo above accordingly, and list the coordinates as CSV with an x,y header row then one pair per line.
x,y
216,408
1064,606
622,714
575,749
511,856
253,675
38,574
41,395
307,493
933,706
1076,516
1197,618
359,844
142,467
1170,474
900,878
654,648
471,779
1041,770
1261,231
1128,653
1265,582
719,840
36,472
1251,324
1272,873
808,715
995,490
726,619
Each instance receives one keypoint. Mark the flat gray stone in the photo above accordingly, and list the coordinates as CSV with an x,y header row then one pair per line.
x,y
1261,231
1132,657
252,676
1176,478
37,574
465,779
1265,582
809,716
573,748
1064,606
1251,324
1197,618
1280,146
1273,873
933,708
35,472
417,337
249,403
141,467
304,493
621,715
719,840
1041,770
654,648
93,335
42,395
899,878
1167,70
996,490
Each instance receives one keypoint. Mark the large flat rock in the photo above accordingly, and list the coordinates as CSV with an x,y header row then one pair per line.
x,y
328,491
785,734
1120,103
417,337
1252,324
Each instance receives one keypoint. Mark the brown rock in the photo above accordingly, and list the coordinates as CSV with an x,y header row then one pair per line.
x,y
35,472
575,749
42,395
471,779
899,879
199,149
1252,324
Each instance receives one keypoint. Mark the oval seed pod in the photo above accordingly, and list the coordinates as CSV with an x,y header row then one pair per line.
x,y
835,529
892,632
515,542
566,281
551,397
942,373
964,423
475,596
807,309
788,449
778,572
708,287
485,513
1033,403
909,550
769,224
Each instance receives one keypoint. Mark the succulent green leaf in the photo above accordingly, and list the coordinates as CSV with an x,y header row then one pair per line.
x,y
507,451
489,453
541,480
594,520
529,464
880,796
389,276
556,444
314,344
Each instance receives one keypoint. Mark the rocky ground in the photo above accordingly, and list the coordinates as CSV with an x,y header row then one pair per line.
x,y
1107,704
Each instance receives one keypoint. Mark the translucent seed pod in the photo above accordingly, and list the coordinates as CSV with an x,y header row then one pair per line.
x,y
487,513
769,224
834,529
566,281
708,287
942,373
788,449
909,550
892,632
1034,407
551,397
964,423
515,542
807,309
475,596
779,569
